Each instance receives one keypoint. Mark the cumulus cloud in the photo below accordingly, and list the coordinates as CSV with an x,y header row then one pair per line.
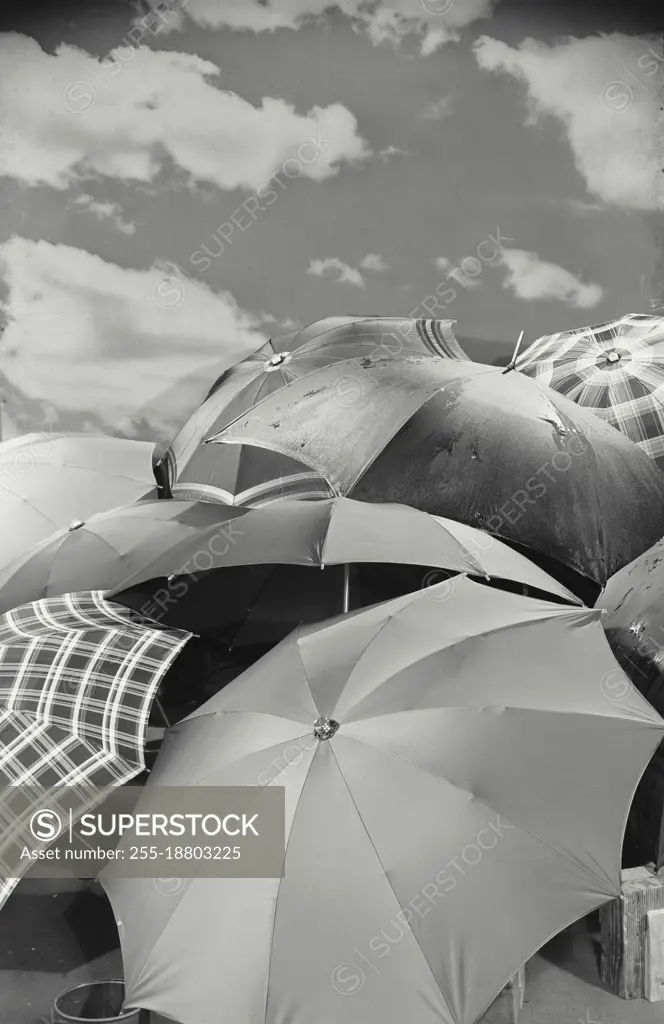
x,y
389,151
432,22
333,267
92,337
105,211
602,89
438,110
71,115
531,278
374,261
455,271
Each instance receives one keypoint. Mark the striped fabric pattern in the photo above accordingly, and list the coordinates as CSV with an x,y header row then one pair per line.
x,y
78,676
272,367
615,369
307,486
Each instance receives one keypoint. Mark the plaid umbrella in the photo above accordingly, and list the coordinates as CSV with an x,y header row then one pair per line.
x,y
189,470
616,369
77,679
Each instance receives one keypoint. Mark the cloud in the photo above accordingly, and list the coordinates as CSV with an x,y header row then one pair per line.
x,y
453,270
70,115
330,266
389,151
532,278
432,22
345,274
124,345
603,90
438,110
105,211
374,261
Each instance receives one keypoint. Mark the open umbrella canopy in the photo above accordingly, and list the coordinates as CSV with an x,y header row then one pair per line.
x,y
247,577
428,811
633,619
615,369
49,480
77,680
489,448
633,609
249,477
108,549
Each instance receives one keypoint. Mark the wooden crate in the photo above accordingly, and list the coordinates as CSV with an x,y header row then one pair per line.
x,y
506,1007
623,926
654,967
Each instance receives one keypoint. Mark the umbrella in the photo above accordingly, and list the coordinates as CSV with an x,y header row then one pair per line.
x,y
267,585
49,480
456,787
633,619
615,369
250,477
77,680
486,447
108,548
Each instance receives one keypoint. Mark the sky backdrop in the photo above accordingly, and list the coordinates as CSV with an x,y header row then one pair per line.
x,y
183,179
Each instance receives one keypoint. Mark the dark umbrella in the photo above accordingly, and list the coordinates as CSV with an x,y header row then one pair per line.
x,y
492,449
248,577
633,604
249,477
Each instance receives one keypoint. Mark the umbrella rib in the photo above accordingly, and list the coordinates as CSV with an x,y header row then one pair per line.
x,y
276,899
387,879
473,796
557,611
471,557
150,953
211,775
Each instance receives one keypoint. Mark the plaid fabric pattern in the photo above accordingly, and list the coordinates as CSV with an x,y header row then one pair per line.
x,y
615,369
244,385
77,679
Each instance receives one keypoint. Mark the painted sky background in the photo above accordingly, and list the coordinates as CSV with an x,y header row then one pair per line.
x,y
375,146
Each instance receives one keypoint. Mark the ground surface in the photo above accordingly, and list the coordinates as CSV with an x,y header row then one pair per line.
x,y
54,934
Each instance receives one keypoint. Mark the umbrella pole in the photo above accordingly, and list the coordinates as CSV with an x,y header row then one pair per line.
x,y
346,587
512,362
160,709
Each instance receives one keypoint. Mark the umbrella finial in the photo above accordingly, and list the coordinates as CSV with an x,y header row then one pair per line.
x,y
275,361
325,728
75,524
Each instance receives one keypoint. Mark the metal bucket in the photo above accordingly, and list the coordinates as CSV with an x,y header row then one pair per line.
x,y
98,1001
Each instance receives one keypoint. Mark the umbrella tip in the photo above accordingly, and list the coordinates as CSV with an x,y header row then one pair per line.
x,y
75,524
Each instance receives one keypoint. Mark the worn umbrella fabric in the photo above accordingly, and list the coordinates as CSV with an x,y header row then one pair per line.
x,y
633,618
453,772
489,448
615,369
248,577
49,480
78,676
254,478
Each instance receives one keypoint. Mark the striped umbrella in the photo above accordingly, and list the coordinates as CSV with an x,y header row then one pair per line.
x,y
615,369
78,676
245,477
